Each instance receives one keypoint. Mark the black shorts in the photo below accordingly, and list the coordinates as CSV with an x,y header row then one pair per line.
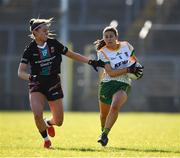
x,y
50,86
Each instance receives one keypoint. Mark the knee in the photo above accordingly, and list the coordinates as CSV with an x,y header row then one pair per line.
x,y
115,108
103,116
58,122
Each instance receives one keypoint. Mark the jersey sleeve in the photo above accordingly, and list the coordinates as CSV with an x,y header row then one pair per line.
x,y
131,48
132,55
62,49
103,57
26,56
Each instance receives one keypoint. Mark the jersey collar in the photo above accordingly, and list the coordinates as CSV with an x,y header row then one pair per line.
x,y
43,46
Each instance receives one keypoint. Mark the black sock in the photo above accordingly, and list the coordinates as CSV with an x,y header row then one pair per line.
x,y
44,134
48,122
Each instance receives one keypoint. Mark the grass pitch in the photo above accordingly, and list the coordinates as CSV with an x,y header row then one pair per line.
x,y
133,135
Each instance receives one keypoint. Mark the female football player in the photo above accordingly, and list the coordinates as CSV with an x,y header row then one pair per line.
x,y
44,54
115,84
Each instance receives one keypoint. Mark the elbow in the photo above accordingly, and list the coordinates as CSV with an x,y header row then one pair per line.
x,y
19,74
22,74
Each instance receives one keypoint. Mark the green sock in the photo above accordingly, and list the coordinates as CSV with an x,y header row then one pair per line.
x,y
102,128
106,130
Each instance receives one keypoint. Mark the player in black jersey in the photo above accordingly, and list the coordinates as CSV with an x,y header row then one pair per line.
x,y
44,55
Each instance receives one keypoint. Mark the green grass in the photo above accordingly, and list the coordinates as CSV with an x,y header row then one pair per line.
x,y
133,135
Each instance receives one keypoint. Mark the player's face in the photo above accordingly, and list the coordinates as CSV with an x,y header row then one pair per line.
x,y
110,38
42,33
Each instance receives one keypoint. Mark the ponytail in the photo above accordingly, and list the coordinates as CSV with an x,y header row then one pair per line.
x,y
99,44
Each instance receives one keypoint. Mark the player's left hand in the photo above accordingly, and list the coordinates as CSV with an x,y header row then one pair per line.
x,y
135,69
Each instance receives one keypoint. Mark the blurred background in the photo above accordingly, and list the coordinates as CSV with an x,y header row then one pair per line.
x,y
151,26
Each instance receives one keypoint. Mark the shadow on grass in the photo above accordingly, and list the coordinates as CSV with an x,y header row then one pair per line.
x,y
113,149
142,150
78,149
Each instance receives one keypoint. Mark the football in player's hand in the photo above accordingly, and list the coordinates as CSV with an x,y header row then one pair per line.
x,y
139,74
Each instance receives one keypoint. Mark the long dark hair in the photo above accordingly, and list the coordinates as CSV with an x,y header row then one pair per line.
x,y
101,43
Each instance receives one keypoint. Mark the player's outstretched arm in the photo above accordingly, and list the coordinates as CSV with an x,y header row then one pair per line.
x,y
77,56
84,59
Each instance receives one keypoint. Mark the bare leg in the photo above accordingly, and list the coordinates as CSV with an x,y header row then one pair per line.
x,y
37,102
119,98
57,111
104,110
